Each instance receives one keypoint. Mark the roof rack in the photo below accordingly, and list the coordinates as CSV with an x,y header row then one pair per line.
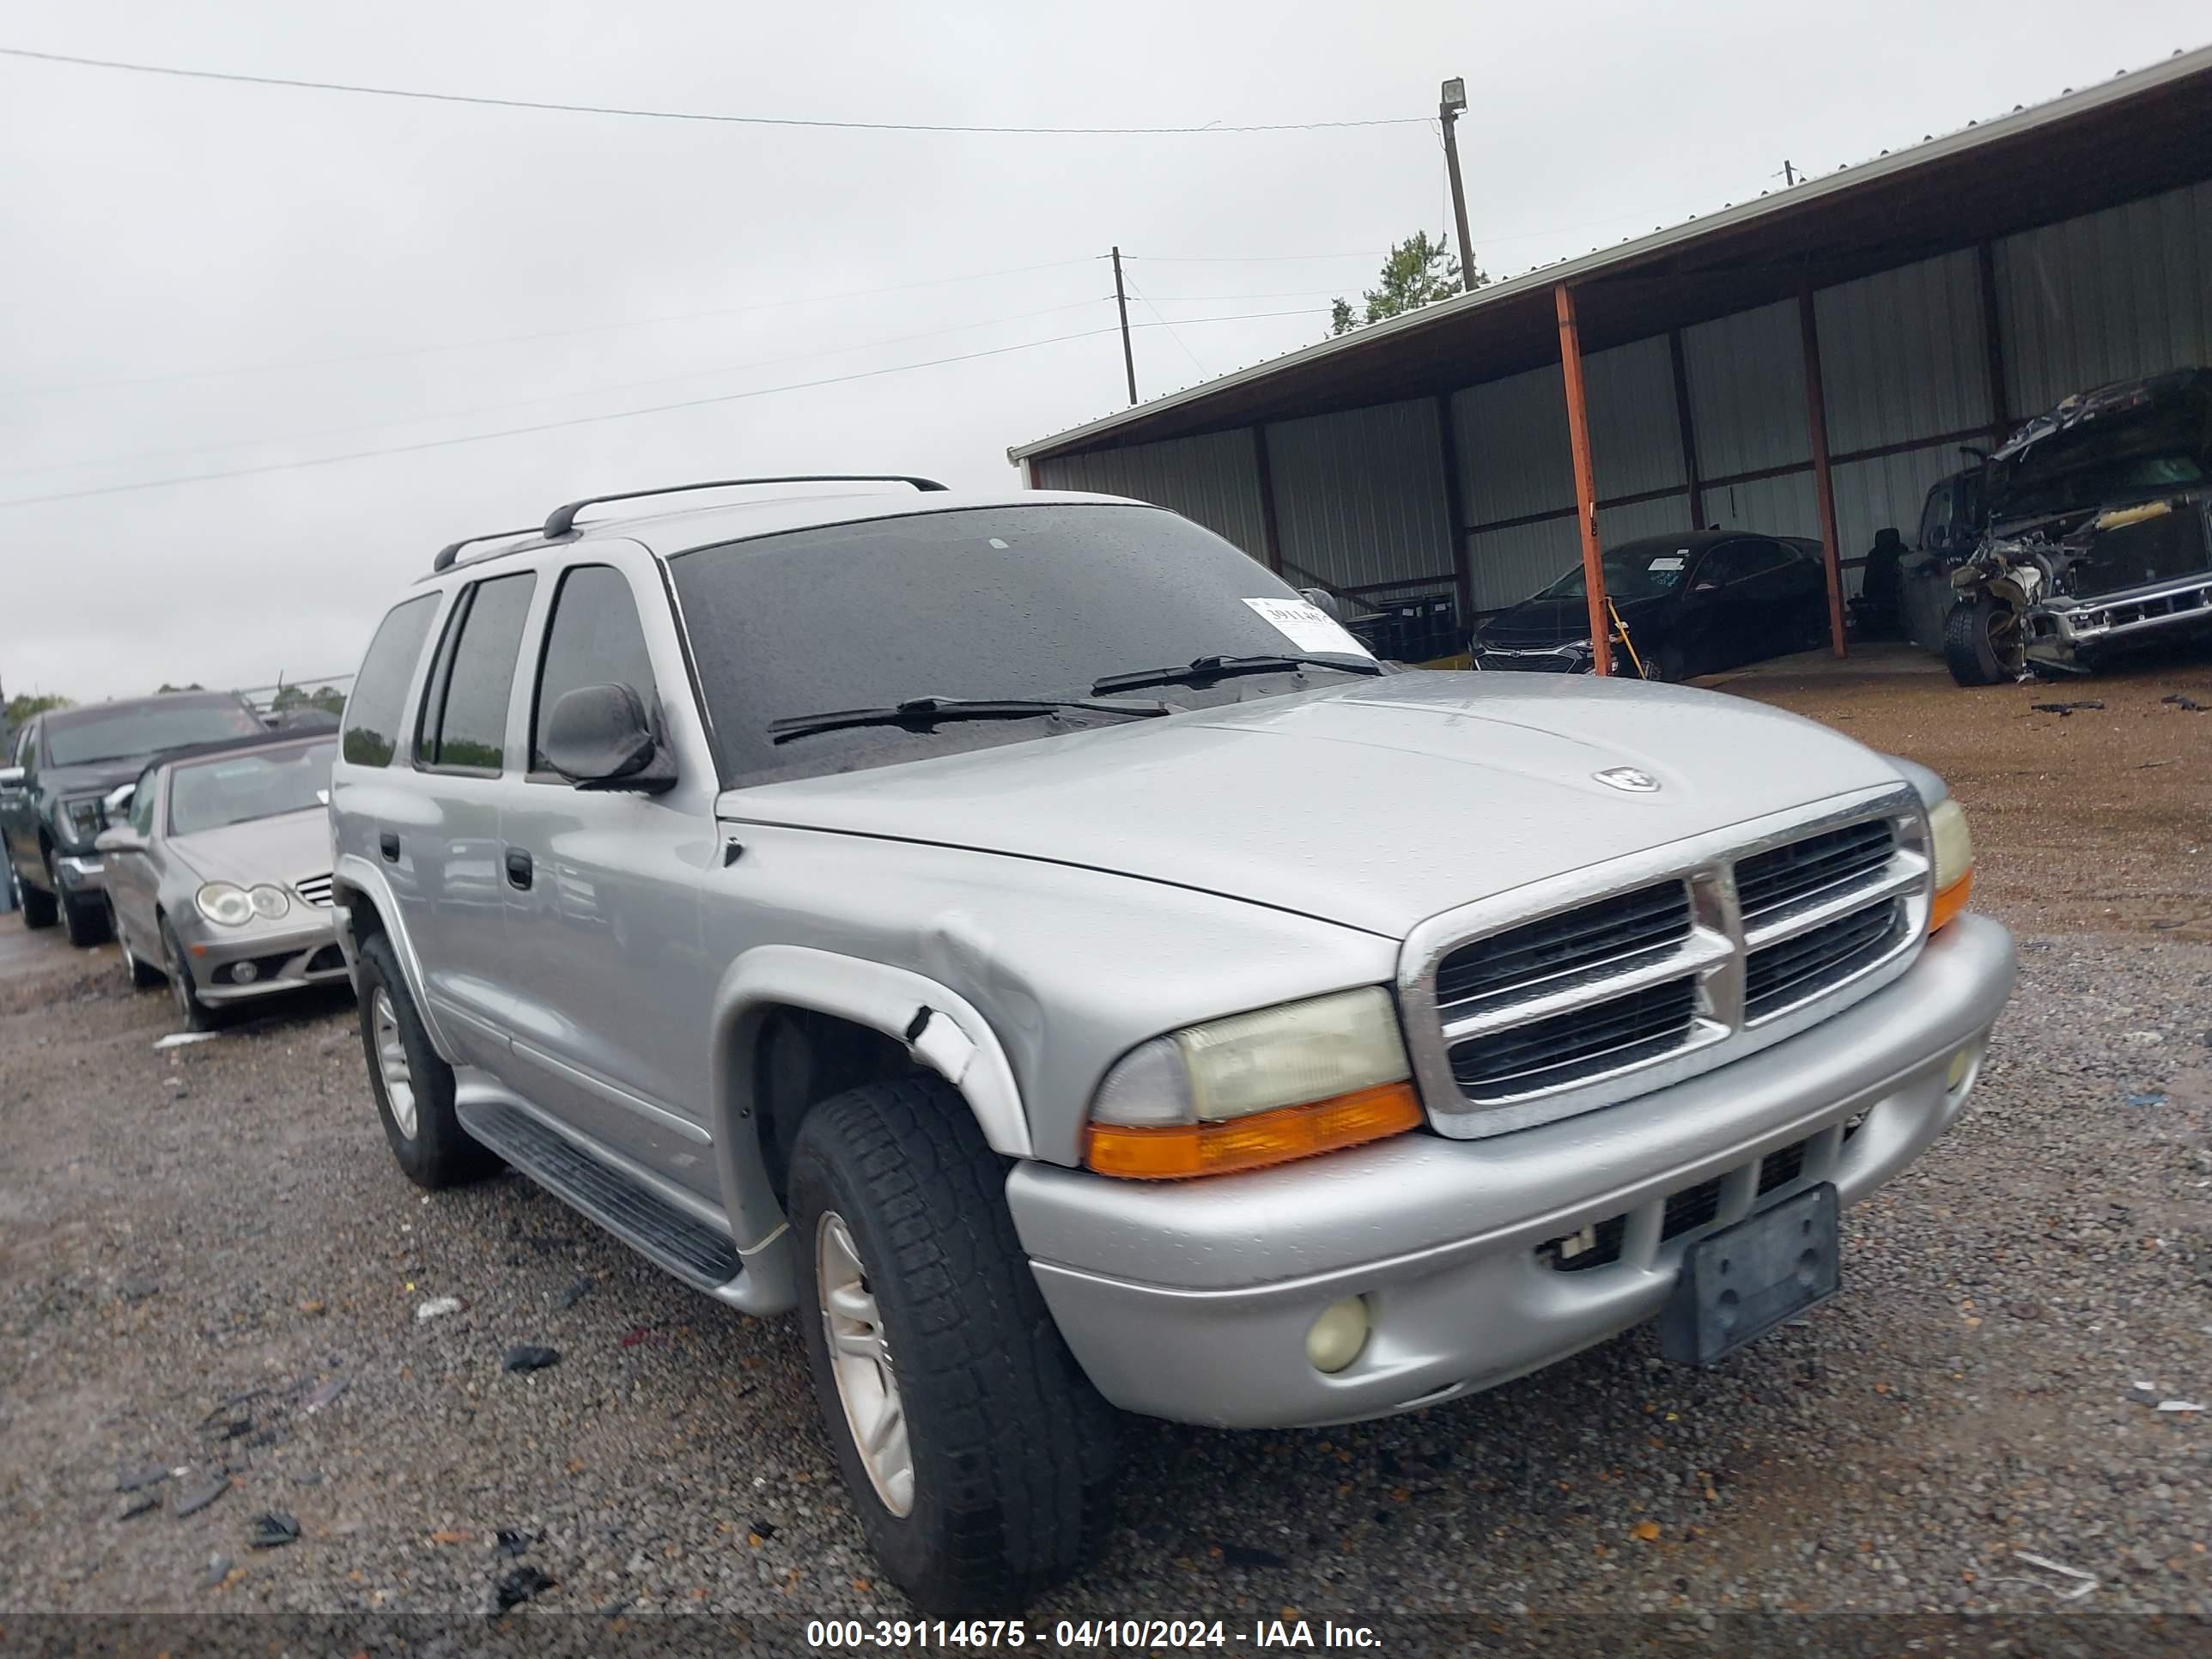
x,y
447,554
563,519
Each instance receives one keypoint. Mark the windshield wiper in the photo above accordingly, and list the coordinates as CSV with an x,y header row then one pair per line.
x,y
1211,668
932,711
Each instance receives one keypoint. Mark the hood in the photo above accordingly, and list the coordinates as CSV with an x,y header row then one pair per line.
x,y
93,778
1373,805
285,849
1536,623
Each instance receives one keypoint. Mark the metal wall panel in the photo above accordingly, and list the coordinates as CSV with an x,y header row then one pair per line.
x,y
1636,440
1509,565
1747,378
2106,296
1886,493
1667,516
1359,497
1512,440
1783,506
1211,479
1902,354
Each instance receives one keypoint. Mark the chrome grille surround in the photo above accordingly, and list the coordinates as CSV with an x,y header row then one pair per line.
x,y
315,890
1715,953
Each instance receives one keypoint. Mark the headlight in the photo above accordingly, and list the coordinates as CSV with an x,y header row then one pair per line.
x,y
1256,1089
269,902
86,817
1952,845
224,904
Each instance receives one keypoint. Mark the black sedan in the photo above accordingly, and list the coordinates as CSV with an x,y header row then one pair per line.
x,y
1689,604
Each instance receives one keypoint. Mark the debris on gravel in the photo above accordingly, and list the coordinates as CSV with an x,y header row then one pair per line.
x,y
529,1357
195,1497
436,1307
520,1585
272,1530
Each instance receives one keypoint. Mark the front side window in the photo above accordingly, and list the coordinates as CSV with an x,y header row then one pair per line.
x,y
594,639
259,783
465,715
141,801
1021,602
371,721
93,735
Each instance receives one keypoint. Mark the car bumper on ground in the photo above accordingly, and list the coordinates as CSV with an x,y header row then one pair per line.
x,y
235,966
1193,1300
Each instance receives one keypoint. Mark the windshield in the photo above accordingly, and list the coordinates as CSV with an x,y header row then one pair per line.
x,y
2160,447
83,738
259,783
1630,573
1031,601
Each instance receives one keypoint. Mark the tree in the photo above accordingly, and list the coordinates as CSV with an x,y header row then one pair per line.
x,y
1417,272
328,698
23,707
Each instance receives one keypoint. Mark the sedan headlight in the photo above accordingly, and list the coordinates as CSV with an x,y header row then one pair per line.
x,y
1256,1089
226,905
269,902
1953,846
85,817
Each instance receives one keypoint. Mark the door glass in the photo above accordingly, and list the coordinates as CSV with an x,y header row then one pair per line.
x,y
373,712
594,639
469,723
141,802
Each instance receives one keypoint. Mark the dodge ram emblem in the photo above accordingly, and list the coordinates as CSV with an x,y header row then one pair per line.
x,y
1629,779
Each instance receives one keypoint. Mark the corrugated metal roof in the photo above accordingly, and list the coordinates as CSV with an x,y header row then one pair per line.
x,y
2135,157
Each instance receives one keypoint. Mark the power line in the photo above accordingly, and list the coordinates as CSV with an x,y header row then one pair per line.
x,y
549,397
1249,258
610,415
1202,368
543,334
233,78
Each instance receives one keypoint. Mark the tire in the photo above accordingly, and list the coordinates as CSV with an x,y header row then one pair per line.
x,y
38,908
183,990
143,975
1011,1449
84,924
1972,649
414,1088
1665,664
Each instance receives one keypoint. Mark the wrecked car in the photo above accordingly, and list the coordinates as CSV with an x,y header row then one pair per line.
x,y
2099,537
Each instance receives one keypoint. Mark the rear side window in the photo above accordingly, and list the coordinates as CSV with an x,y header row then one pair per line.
x,y
465,715
594,639
373,712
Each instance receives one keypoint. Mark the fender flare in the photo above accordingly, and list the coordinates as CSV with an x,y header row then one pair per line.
x,y
954,1040
354,872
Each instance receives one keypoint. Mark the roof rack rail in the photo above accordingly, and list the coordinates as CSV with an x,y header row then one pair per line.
x,y
563,519
452,550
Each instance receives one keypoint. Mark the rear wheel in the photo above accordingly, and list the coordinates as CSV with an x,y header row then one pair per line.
x,y
1982,641
38,908
977,1454
414,1088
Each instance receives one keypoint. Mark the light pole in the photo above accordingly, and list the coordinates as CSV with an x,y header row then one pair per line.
x,y
1448,106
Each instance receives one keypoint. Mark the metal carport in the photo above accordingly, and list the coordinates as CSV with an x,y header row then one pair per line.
x,y
1806,363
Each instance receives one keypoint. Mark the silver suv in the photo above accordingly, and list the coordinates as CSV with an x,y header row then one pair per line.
x,y
1022,935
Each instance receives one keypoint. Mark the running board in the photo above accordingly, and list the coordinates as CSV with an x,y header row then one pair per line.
x,y
687,1247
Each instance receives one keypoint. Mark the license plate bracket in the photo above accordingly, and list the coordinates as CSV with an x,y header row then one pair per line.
x,y
1739,1283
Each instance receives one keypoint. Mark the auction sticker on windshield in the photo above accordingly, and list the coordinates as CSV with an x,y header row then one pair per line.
x,y
1308,627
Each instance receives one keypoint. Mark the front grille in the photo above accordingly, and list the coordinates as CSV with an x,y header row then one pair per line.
x,y
1769,883
1782,975
1672,975
1607,937
316,889
1583,1043
1682,1212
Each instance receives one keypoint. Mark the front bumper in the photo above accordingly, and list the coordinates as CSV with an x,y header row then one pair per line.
x,y
2086,627
82,875
1192,1300
1573,658
284,954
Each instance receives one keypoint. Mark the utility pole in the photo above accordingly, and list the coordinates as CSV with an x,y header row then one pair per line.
x,y
1448,108
1788,174
1121,300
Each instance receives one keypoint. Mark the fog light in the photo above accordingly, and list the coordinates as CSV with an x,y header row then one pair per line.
x,y
1961,1064
244,974
1337,1337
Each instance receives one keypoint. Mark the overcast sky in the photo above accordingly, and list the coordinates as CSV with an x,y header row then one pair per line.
x,y
178,254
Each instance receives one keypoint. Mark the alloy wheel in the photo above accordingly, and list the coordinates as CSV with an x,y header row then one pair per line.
x,y
391,1067
860,1360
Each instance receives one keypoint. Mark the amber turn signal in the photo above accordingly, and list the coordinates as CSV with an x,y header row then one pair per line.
x,y
1170,1152
1951,903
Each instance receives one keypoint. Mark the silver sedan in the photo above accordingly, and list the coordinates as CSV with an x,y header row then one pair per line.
x,y
219,878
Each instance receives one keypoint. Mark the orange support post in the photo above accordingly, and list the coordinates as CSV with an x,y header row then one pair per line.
x,y
1824,489
1570,369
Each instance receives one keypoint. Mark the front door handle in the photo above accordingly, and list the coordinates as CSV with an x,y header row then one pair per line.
x,y
388,844
518,869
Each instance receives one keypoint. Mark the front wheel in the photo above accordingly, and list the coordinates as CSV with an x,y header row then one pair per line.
x,y
413,1086
1666,664
144,974
183,991
977,1454
38,908
1982,643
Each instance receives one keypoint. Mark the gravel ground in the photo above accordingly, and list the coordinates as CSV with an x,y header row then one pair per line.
x,y
197,1246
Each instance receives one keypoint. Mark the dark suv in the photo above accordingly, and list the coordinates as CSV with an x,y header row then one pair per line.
x,y
65,762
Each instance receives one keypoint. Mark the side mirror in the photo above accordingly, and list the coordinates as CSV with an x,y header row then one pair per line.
x,y
602,737
121,839
116,803
11,777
